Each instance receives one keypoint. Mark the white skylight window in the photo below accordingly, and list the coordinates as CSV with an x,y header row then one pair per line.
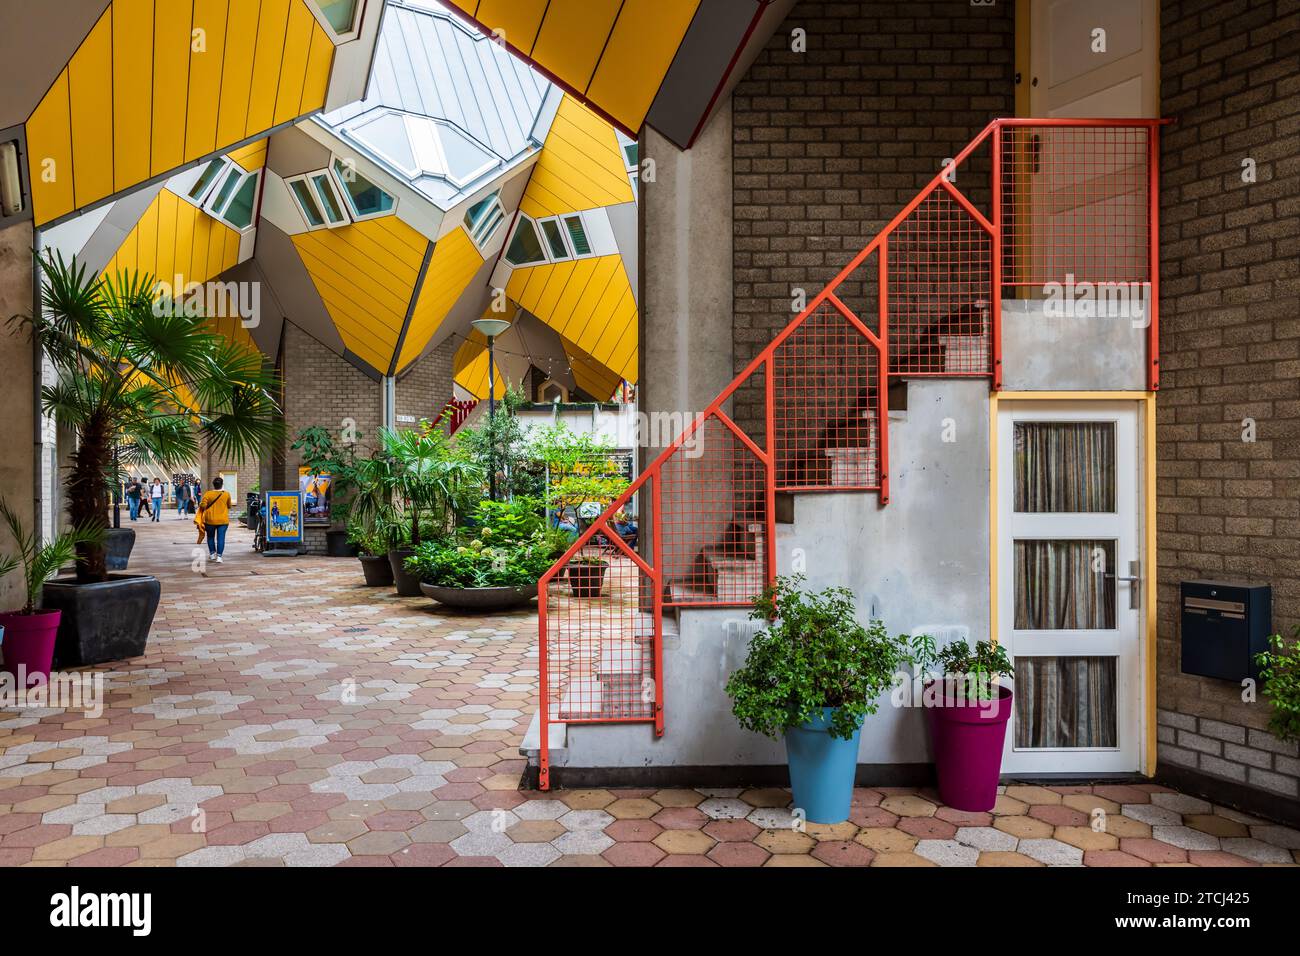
x,y
421,146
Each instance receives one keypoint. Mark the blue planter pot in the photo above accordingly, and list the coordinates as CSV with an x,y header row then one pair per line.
x,y
822,769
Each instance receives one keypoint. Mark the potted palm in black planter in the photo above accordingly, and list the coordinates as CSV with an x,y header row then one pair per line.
x,y
144,384
813,677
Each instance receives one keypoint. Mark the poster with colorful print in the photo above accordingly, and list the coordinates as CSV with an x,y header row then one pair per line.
x,y
284,517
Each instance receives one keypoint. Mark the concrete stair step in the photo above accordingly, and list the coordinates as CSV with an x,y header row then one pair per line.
x,y
557,736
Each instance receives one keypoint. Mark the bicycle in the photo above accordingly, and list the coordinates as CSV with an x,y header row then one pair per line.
x,y
259,534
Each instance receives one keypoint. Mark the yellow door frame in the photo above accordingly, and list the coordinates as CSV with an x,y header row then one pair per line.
x,y
1147,495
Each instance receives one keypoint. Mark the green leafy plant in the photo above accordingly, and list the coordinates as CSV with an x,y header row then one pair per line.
x,y
500,442
1280,673
968,675
507,544
582,476
144,389
40,562
814,654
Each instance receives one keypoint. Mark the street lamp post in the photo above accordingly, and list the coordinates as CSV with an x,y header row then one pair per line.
x,y
491,328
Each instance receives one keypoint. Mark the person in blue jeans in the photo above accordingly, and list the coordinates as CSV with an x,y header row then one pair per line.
x,y
156,491
214,510
133,493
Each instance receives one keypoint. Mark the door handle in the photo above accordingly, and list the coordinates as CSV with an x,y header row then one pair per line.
x,y
1134,577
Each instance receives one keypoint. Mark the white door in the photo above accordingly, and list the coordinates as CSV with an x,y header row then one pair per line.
x,y
1094,58
230,483
1069,582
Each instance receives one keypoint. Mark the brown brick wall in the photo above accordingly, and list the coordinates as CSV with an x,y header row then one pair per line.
x,y
427,386
1230,351
831,143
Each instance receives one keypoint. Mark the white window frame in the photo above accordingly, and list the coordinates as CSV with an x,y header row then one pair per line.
x,y
586,234
308,180
323,20
474,227
219,212
349,208
564,239
201,200
521,219
445,170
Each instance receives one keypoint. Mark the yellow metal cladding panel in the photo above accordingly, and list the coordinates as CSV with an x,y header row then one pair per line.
x,y
454,262
174,238
207,55
516,21
171,64
237,70
471,368
589,302
91,94
250,157
49,139
132,85
293,68
366,275
636,58
594,378
159,83
572,36
271,33
580,166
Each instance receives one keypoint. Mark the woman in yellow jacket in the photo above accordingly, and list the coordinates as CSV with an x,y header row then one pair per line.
x,y
214,516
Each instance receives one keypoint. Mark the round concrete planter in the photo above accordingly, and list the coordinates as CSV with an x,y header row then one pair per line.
x,y
103,620
376,568
480,599
408,584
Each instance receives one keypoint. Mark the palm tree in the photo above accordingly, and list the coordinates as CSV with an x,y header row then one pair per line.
x,y
141,385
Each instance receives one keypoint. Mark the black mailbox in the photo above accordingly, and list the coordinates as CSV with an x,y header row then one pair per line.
x,y
1225,624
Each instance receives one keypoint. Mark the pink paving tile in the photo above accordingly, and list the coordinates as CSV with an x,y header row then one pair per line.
x,y
725,831
1153,851
869,816
928,828
423,854
1217,858
634,854
738,854
1112,858
843,853
36,835
395,820
475,861
299,821
680,818
458,791
12,822
366,861
633,831
237,834
1059,815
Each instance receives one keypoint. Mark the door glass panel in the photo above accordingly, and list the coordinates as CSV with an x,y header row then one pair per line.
x,y
1062,584
1066,702
1064,467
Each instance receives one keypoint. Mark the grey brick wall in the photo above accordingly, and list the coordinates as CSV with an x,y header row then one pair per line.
x,y
427,385
829,144
1230,351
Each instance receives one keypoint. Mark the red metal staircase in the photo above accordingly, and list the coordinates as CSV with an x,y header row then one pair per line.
x,y
923,298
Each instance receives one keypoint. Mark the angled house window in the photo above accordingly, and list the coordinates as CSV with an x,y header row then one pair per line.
x,y
341,16
525,245
577,236
307,204
318,199
556,248
484,218
203,185
364,198
234,200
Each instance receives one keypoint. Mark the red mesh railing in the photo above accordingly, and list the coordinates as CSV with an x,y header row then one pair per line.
x,y
1067,197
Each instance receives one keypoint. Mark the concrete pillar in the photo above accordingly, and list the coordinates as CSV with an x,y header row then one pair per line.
x,y
18,435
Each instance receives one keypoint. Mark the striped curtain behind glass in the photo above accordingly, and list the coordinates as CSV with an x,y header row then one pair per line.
x,y
1065,467
1066,702
1058,586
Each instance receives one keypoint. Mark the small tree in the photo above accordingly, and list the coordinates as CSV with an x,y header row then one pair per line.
x,y
152,383
500,442
581,472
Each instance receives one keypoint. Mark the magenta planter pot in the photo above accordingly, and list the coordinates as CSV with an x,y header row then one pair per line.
x,y
967,741
29,643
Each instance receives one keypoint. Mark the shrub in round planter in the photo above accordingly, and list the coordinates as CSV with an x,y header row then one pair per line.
x,y
813,676
967,713
506,550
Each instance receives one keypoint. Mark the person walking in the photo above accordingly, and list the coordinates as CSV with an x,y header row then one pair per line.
x,y
133,493
156,492
214,511
183,498
144,497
